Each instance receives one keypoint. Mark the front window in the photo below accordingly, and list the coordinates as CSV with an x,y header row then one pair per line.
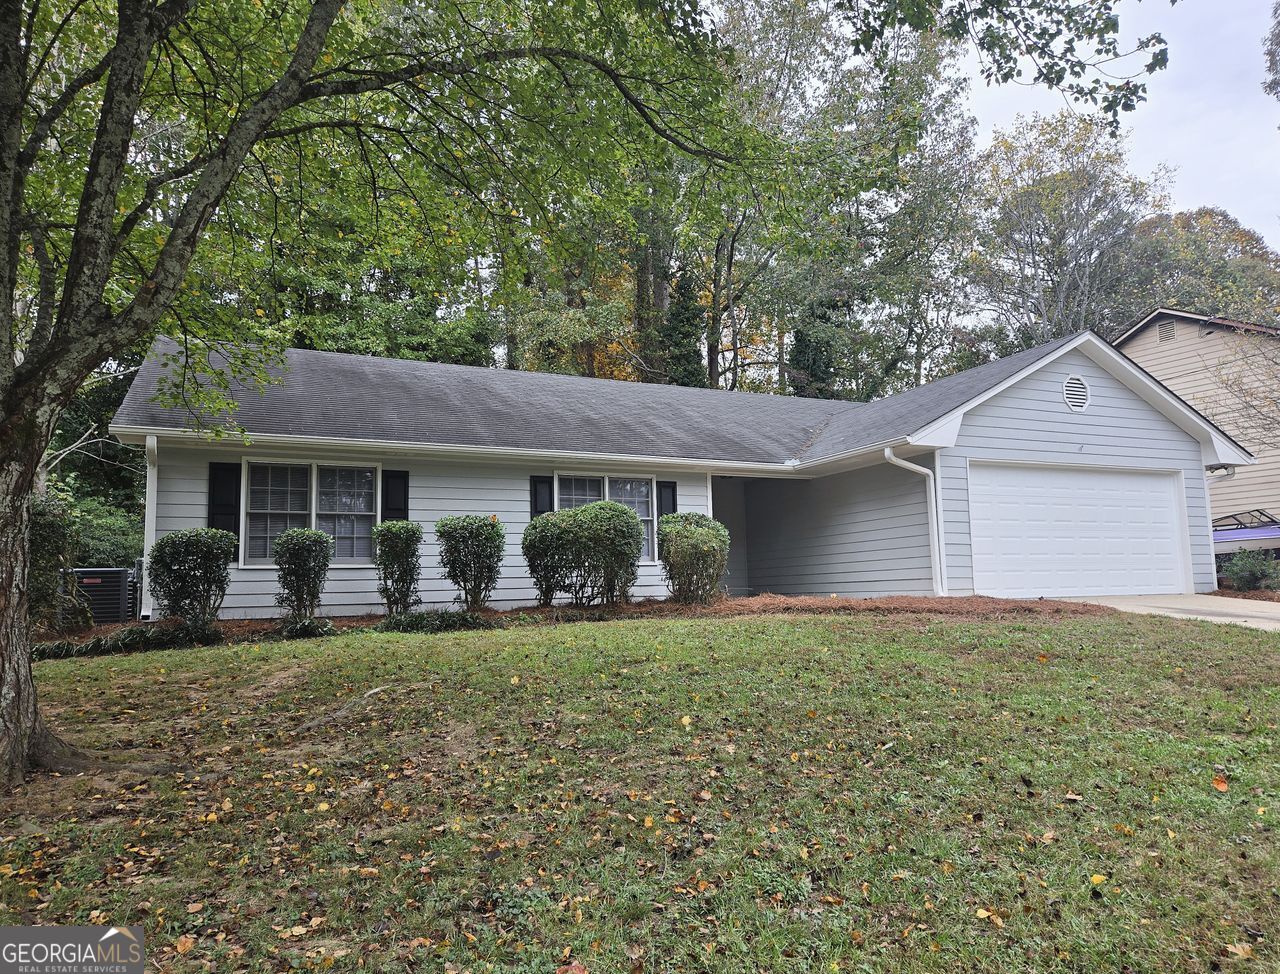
x,y
279,499
633,492
345,502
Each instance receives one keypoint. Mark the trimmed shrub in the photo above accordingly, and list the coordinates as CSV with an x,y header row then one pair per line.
x,y
548,554
608,539
395,555
429,622
109,537
1250,570
471,549
53,598
188,573
694,551
588,553
172,633
302,559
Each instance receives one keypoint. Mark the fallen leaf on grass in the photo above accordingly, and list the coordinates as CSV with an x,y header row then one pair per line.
x,y
1241,951
194,907
1220,783
1097,879
184,943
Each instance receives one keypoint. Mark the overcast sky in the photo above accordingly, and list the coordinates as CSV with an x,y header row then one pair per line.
x,y
1206,115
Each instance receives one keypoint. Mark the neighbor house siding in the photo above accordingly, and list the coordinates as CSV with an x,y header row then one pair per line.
x,y
1030,422
436,488
860,533
1191,364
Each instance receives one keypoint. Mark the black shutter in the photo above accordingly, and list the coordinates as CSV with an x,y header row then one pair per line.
x,y
395,495
666,497
542,496
224,497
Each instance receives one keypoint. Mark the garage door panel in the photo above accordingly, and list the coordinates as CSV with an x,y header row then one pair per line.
x,y
1060,530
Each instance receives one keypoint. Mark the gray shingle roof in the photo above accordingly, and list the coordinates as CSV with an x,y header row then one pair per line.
x,y
344,397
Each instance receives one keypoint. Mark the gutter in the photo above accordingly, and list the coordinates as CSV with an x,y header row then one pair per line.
x,y
937,544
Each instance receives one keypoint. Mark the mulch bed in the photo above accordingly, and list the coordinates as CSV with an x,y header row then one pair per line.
x,y
1257,595
972,607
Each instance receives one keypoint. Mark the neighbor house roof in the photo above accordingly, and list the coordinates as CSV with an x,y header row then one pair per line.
x,y
1212,321
361,400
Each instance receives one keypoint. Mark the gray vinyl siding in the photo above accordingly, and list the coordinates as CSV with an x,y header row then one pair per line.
x,y
861,533
436,488
729,506
1030,422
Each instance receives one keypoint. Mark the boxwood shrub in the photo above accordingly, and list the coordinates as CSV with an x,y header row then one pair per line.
x,y
302,559
429,622
187,572
588,553
395,555
1251,570
471,549
548,553
694,551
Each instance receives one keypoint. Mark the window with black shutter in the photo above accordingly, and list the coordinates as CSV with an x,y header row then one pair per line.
x,y
395,495
224,497
542,496
666,497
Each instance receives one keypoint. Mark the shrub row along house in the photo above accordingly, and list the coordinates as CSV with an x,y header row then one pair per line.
x,y
1062,470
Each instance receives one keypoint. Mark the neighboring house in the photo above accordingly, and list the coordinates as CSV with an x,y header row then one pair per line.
x,y
1062,470
1190,353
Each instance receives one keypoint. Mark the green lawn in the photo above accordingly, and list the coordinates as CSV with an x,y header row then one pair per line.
x,y
753,794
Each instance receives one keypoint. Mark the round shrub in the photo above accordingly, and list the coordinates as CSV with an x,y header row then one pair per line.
x,y
395,555
694,551
1250,570
588,553
471,549
547,553
608,539
187,572
302,559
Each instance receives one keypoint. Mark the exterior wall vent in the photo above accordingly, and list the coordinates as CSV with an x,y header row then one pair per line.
x,y
1166,330
1076,393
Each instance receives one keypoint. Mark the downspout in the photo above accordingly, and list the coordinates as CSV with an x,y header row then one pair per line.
x,y
937,544
147,609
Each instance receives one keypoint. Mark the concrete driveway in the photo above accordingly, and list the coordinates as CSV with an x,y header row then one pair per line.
x,y
1211,608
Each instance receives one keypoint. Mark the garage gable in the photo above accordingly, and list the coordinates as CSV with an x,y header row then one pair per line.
x,y
1073,476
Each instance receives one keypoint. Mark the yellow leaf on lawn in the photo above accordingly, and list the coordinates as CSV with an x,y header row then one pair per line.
x,y
686,721
1243,951
1097,879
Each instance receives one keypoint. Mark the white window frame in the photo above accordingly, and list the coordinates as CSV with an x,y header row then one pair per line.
x,y
653,498
313,490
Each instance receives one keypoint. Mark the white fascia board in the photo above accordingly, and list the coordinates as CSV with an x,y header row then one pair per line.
x,y
492,454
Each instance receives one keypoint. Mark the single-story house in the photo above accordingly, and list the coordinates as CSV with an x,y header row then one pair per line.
x,y
1061,470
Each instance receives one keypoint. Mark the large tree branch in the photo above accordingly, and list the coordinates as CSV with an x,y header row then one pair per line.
x,y
360,82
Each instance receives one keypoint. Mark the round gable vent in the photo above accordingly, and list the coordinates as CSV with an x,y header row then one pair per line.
x,y
1076,392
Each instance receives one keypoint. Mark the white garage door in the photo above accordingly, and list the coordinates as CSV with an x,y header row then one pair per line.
x,y
1041,530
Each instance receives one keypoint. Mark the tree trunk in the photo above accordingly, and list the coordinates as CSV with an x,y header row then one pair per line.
x,y
25,741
